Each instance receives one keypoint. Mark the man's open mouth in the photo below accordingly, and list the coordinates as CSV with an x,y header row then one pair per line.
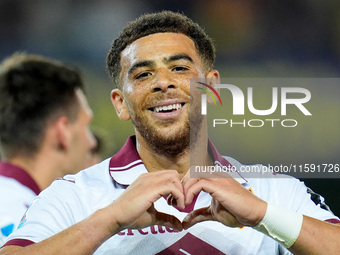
x,y
167,108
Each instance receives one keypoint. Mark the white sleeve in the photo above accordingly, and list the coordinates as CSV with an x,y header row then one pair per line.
x,y
55,209
294,195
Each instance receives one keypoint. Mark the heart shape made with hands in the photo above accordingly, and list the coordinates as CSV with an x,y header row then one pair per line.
x,y
218,209
231,203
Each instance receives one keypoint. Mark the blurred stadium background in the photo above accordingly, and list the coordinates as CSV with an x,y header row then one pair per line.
x,y
260,38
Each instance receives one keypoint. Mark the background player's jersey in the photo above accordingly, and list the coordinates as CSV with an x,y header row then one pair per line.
x,y
70,200
17,191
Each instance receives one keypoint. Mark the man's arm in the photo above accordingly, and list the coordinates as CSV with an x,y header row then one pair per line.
x,y
235,206
317,237
82,238
133,209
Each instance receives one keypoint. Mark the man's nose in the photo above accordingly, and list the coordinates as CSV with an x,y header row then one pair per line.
x,y
92,140
163,81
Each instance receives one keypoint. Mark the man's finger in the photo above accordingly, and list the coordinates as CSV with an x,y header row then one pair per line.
x,y
167,220
194,189
187,182
196,216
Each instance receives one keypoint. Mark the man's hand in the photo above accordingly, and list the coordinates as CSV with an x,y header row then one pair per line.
x,y
231,203
134,208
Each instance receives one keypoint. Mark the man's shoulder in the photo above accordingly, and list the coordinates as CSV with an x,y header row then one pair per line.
x,y
90,176
18,191
14,198
260,177
258,170
14,201
88,188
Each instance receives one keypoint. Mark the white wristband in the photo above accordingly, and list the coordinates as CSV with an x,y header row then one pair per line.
x,y
281,224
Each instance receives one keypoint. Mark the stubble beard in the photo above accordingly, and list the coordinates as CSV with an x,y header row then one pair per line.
x,y
169,146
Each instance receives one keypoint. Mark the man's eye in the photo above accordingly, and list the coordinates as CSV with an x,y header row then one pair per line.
x,y
142,75
180,68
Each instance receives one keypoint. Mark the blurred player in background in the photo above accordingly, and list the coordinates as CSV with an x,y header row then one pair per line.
x,y
44,130
96,151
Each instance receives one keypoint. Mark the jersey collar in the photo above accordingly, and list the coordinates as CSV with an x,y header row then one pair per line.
x,y
20,175
221,161
126,165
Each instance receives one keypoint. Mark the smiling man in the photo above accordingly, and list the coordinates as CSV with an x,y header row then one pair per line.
x,y
142,200
156,96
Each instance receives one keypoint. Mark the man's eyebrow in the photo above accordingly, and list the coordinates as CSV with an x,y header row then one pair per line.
x,y
144,63
150,63
178,57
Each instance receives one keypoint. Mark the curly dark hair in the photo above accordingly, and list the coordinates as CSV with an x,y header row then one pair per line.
x,y
160,22
34,90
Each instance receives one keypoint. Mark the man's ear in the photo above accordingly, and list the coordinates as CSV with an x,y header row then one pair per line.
x,y
61,131
213,78
118,102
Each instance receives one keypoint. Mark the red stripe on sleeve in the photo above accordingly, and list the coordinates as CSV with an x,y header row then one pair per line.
x,y
333,221
19,242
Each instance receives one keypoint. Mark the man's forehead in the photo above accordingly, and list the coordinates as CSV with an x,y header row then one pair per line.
x,y
84,105
167,43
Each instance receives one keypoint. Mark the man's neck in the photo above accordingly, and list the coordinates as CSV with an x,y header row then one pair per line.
x,y
39,168
154,161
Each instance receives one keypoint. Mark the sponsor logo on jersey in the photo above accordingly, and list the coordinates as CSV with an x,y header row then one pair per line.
x,y
149,230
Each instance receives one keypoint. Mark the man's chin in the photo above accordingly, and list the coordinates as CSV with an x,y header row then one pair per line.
x,y
170,133
167,139
172,147
168,143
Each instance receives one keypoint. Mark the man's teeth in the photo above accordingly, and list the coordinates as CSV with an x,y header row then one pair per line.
x,y
168,107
